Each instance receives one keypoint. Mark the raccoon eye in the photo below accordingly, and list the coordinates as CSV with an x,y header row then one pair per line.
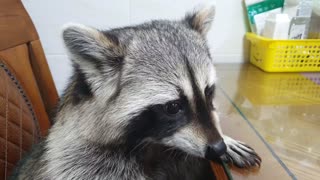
x,y
172,107
210,91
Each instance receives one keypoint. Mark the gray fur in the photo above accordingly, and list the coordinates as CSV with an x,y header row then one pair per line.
x,y
118,75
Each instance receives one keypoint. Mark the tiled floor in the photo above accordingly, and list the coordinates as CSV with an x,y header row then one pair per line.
x,y
283,109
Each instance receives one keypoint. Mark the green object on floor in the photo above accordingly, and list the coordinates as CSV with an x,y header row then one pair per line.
x,y
227,170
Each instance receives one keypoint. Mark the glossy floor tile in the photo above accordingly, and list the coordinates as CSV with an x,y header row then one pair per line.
x,y
234,125
283,109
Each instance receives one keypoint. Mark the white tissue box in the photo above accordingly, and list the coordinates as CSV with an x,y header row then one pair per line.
x,y
277,26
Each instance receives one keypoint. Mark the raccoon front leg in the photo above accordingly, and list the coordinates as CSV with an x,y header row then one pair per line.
x,y
240,154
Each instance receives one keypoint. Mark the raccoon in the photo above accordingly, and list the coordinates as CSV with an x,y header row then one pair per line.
x,y
139,105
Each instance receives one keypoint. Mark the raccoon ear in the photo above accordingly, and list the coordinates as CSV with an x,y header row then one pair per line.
x,y
201,19
93,50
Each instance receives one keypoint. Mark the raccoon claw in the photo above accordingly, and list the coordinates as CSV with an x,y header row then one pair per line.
x,y
240,154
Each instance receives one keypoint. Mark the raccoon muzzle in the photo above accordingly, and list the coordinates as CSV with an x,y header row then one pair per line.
x,y
215,150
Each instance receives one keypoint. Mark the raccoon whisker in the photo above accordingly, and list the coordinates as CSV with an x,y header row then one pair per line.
x,y
171,152
140,146
169,149
136,147
145,144
186,157
175,154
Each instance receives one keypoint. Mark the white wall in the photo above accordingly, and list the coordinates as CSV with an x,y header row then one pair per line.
x,y
225,38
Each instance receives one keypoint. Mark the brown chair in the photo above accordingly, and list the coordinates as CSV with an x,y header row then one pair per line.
x,y
27,90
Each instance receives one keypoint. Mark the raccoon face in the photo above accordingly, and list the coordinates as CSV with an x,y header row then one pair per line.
x,y
151,82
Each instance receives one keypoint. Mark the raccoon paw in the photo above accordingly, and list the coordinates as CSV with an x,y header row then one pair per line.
x,y
240,155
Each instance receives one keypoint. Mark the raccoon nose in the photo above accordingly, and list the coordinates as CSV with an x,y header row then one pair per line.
x,y
215,150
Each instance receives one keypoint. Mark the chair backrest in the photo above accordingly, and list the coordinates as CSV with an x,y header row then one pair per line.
x,y
27,91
